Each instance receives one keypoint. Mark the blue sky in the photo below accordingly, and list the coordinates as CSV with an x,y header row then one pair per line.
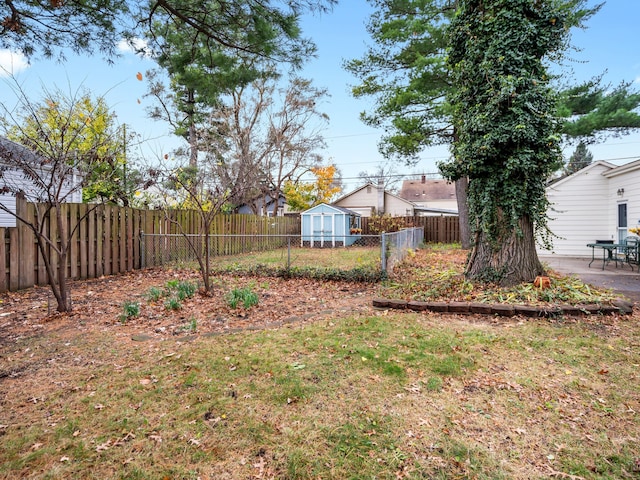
x,y
608,44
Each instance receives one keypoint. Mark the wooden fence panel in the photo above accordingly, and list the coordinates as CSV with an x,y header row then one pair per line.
x,y
83,240
14,259
26,254
92,253
122,240
54,236
74,247
113,240
43,277
102,227
437,229
130,237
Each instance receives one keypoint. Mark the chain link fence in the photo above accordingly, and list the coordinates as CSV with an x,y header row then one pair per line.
x,y
230,252
398,244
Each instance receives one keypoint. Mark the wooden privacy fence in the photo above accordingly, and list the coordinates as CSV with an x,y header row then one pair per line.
x,y
440,229
106,239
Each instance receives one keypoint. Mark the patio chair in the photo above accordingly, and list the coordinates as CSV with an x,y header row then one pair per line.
x,y
631,251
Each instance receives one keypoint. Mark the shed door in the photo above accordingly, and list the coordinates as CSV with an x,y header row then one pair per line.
x,y
322,228
316,226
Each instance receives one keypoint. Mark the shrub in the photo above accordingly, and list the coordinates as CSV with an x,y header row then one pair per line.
x,y
172,304
185,290
154,294
129,310
246,296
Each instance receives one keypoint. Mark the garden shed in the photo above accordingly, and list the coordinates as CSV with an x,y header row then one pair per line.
x,y
329,226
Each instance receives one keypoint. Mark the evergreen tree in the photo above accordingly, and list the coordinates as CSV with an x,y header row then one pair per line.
x,y
579,159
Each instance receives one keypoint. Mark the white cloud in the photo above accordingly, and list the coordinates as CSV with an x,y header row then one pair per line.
x,y
136,45
11,63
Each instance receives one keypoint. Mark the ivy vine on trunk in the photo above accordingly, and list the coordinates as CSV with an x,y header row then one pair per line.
x,y
508,139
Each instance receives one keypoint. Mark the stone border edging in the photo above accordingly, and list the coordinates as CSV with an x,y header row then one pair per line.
x,y
504,310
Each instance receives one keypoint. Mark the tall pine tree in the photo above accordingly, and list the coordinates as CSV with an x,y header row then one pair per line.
x,y
580,158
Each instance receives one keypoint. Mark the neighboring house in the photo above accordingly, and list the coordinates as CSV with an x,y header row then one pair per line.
x,y
329,226
264,205
14,179
599,202
373,199
430,196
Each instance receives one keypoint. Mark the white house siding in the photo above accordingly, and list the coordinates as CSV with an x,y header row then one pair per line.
x,y
15,179
580,211
625,179
364,201
6,219
362,211
396,206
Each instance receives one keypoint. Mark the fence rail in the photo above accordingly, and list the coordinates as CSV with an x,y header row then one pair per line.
x,y
108,239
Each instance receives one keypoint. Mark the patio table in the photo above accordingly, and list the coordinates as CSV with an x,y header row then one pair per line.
x,y
609,252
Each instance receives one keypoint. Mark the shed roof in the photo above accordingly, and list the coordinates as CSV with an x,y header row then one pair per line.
x,y
334,207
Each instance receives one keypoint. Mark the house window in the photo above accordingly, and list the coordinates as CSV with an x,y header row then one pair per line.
x,y
368,188
622,222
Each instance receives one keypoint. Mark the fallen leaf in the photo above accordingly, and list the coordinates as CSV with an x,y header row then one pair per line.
x,y
104,446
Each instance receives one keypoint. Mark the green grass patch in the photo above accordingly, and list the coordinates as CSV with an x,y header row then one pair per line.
x,y
358,264
383,396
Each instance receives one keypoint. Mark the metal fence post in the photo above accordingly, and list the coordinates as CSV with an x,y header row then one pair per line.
x,y
383,252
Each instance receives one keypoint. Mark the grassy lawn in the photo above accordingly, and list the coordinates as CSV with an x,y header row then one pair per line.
x,y
344,258
382,395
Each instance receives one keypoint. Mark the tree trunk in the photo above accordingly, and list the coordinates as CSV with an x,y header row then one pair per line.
x,y
64,301
463,212
509,260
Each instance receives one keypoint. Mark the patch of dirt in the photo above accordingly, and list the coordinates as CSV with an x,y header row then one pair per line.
x,y
98,304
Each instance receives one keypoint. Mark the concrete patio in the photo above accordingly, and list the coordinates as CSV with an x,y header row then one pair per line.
x,y
619,277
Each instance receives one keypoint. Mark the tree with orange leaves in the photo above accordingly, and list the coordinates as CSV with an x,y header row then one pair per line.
x,y
301,196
